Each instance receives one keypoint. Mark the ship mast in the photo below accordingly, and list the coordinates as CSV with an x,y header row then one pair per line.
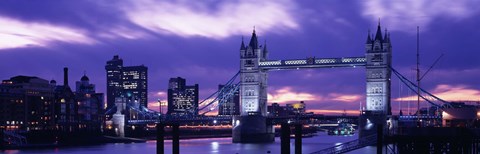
x,y
418,76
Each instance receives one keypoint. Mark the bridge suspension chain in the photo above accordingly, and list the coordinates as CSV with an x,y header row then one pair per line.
x,y
412,87
223,96
218,96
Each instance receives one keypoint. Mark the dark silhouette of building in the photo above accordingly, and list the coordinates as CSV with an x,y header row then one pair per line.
x,y
90,105
114,80
289,109
230,106
123,81
66,108
297,108
276,110
182,99
33,104
26,103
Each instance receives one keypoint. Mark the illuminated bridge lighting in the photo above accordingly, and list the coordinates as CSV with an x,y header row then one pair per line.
x,y
325,61
295,62
270,63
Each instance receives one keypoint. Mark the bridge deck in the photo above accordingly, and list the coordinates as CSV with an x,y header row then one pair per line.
x,y
313,63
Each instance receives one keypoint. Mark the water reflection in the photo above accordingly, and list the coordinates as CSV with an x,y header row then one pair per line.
x,y
201,146
214,147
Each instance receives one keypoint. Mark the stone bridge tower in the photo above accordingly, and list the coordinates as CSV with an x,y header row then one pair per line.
x,y
378,62
251,125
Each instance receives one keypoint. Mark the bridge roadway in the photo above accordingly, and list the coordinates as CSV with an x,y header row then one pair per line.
x,y
228,119
313,62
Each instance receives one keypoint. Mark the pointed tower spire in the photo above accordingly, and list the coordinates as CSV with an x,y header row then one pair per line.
x,y
385,38
388,38
378,35
242,46
369,39
253,41
265,45
386,32
265,51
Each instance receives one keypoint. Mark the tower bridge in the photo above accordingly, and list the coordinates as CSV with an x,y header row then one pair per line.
x,y
251,125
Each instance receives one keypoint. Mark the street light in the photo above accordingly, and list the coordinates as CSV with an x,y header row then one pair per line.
x,y
160,105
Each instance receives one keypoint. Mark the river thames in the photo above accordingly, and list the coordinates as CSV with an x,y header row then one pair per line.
x,y
200,146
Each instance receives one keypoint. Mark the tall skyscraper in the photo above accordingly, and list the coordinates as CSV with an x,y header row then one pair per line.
x,y
135,84
114,80
126,81
182,99
230,106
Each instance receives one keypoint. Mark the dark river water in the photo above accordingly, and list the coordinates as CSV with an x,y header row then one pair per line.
x,y
200,146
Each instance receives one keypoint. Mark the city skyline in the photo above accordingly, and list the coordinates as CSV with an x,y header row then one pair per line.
x,y
40,43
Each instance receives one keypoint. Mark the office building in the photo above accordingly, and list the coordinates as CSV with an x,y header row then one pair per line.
x,y
182,99
31,103
26,103
126,81
288,110
276,110
135,84
298,108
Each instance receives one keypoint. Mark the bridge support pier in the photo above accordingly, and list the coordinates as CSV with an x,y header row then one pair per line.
x,y
1,138
369,121
298,138
252,129
176,139
160,138
379,139
285,138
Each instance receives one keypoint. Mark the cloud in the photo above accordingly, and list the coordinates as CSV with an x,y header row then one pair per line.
x,y
344,97
288,95
450,93
154,105
16,33
400,15
217,21
123,32
142,19
154,97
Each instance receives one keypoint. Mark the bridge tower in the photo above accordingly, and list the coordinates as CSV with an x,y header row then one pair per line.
x,y
378,61
251,125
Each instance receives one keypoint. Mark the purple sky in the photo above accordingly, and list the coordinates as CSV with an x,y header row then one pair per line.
x,y
200,40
